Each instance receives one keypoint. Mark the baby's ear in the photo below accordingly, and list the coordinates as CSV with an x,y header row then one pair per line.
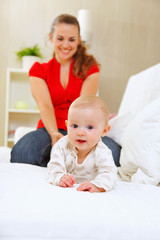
x,y
66,123
106,130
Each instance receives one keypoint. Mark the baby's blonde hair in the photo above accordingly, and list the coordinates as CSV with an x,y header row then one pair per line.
x,y
90,101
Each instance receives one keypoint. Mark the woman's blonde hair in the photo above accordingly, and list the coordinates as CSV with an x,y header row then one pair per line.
x,y
89,101
83,61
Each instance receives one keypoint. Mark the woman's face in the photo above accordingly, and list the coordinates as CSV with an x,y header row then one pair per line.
x,y
65,39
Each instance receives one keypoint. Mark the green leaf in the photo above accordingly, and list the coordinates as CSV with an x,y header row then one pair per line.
x,y
29,51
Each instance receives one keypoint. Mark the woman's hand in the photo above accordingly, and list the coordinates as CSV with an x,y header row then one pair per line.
x,y
88,186
55,137
67,180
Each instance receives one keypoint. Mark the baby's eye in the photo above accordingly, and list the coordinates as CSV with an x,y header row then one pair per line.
x,y
90,127
60,39
74,125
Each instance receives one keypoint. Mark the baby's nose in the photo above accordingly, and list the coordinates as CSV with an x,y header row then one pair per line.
x,y
80,132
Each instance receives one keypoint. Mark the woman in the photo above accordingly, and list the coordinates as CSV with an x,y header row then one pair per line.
x,y
55,85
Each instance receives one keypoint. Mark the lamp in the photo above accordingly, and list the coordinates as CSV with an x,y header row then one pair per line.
x,y
84,18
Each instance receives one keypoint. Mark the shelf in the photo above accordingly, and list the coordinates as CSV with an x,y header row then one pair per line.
x,y
18,89
12,110
17,70
10,139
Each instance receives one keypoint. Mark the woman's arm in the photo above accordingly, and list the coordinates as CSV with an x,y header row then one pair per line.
x,y
42,97
90,85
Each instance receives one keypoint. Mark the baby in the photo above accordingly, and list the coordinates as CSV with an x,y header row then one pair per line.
x,y
81,156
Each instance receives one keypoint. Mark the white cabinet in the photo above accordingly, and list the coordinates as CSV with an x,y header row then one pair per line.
x,y
18,90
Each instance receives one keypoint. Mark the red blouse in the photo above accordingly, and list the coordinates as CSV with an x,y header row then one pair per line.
x,y
61,98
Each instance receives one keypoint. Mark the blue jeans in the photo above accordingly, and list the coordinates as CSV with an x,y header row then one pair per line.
x,y
34,148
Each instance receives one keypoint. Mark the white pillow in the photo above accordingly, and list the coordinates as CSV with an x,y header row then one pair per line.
x,y
140,154
141,89
118,125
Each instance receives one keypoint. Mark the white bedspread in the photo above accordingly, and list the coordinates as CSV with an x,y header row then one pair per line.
x,y
30,208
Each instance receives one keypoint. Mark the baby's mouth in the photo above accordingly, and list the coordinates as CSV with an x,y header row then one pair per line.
x,y
81,141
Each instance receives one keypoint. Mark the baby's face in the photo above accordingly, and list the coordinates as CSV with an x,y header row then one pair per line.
x,y
85,127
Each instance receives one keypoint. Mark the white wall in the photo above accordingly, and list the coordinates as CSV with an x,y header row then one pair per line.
x,y
126,38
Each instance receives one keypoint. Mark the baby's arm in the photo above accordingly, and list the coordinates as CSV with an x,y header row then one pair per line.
x,y
56,166
57,173
88,186
107,171
106,174
67,180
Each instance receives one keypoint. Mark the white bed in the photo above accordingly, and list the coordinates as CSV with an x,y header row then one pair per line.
x,y
31,208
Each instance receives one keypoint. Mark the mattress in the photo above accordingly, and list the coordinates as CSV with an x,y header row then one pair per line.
x,y
31,208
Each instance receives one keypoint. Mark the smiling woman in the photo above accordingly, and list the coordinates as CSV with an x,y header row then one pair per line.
x,y
65,39
55,85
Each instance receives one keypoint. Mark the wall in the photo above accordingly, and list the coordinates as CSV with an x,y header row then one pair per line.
x,y
126,38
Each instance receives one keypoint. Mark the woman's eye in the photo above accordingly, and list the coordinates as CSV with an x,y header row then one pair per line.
x,y
90,127
72,40
74,125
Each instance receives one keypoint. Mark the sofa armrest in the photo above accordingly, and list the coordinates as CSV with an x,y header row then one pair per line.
x,y
21,131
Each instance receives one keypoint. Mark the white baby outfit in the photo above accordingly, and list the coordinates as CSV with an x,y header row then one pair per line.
x,y
98,167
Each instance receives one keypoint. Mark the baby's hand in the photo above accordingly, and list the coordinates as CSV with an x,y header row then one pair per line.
x,y
67,180
88,186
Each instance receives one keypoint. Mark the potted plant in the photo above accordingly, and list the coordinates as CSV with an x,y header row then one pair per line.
x,y
29,55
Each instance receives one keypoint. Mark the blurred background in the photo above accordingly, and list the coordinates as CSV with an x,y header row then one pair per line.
x,y
125,39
